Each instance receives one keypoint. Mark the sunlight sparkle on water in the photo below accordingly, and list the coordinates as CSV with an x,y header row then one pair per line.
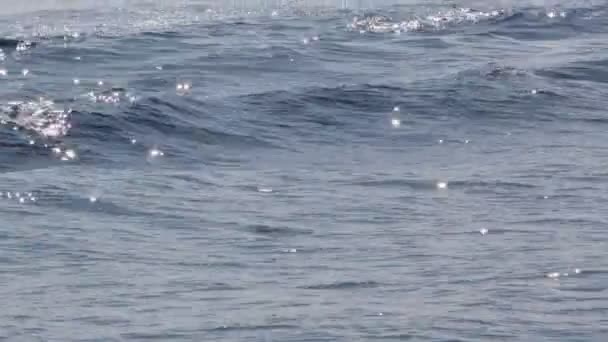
x,y
155,152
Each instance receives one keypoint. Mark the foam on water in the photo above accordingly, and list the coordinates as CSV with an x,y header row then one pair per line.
x,y
42,117
441,20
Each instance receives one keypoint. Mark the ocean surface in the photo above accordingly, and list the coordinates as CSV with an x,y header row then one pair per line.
x,y
304,171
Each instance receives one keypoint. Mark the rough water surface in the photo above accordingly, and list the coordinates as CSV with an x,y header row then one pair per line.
x,y
430,171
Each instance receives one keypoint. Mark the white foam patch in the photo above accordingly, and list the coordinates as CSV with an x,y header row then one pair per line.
x,y
440,20
42,117
24,46
113,96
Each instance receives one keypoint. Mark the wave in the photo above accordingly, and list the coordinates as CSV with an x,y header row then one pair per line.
x,y
266,119
378,23
344,285
178,22
263,229
527,23
591,71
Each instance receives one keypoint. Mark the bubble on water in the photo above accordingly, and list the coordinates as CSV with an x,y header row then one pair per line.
x,y
577,270
483,231
159,67
100,83
466,141
3,72
316,38
442,185
21,200
92,199
440,141
76,81
265,189
396,123
25,72
133,141
274,13
290,250
77,58
553,275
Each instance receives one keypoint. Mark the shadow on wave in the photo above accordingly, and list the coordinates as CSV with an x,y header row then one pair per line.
x,y
287,109
589,71
551,24
16,44
158,119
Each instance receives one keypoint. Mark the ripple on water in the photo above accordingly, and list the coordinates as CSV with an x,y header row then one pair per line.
x,y
274,230
344,285
282,183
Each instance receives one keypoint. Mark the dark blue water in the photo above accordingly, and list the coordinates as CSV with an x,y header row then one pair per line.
x,y
415,172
